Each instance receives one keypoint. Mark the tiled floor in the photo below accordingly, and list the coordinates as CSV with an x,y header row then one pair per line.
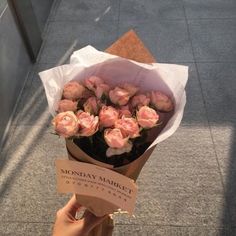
x,y
188,185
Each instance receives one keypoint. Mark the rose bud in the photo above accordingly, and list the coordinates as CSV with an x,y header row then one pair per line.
x,y
108,116
66,105
124,111
161,101
140,100
102,89
114,138
73,90
131,89
92,82
128,127
92,105
119,96
88,124
147,117
65,124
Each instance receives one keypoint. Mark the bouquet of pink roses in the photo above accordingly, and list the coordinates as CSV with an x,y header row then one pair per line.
x,y
112,124
112,112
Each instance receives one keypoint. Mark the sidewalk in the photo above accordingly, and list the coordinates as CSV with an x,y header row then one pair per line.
x,y
188,185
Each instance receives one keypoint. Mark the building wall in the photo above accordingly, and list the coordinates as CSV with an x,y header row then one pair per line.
x,y
14,60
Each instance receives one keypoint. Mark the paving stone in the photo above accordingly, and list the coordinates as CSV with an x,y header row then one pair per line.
x,y
89,10
167,40
25,229
27,208
224,139
29,156
33,107
181,184
60,54
210,9
217,81
212,40
194,112
3,4
143,10
143,230
28,178
218,88
187,210
95,33
180,187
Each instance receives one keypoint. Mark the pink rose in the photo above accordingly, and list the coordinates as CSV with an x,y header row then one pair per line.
x,y
92,105
92,82
140,100
114,138
131,89
161,101
102,89
147,117
88,124
124,111
108,116
128,127
119,96
66,105
65,124
73,90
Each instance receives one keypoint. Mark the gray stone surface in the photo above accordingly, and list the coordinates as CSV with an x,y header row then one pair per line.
x,y
195,112
99,33
213,39
168,40
210,9
187,187
28,175
14,67
60,55
218,87
25,229
87,10
217,81
143,230
33,108
41,11
142,11
3,4
15,62
180,186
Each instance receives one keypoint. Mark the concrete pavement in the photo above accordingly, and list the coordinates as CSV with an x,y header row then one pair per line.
x,y
188,185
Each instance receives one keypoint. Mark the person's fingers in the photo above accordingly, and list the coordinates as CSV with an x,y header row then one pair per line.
x,y
72,206
90,220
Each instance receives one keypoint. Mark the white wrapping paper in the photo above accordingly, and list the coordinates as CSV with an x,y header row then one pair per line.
x,y
168,78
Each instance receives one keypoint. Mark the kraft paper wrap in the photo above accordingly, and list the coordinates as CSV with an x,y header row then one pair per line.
x,y
131,47
128,46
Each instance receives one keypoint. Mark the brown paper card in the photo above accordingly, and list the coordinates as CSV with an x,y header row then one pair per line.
x,y
104,190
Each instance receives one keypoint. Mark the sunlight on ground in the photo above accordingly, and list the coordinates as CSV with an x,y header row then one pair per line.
x,y
103,14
